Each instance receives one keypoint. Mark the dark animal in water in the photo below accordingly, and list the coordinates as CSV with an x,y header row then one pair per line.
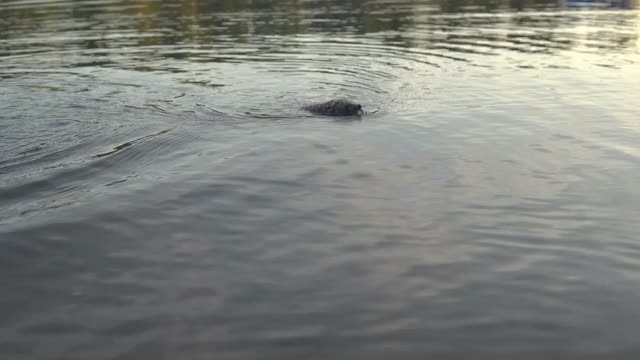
x,y
340,107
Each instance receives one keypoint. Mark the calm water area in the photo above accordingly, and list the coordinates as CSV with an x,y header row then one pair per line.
x,y
163,195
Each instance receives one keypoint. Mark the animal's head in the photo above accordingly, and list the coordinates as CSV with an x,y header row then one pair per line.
x,y
348,108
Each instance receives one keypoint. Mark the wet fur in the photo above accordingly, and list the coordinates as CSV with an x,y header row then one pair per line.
x,y
340,107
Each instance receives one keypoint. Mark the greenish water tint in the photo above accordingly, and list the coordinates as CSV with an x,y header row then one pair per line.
x,y
163,195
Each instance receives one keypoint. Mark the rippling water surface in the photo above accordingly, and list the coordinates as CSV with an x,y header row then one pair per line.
x,y
164,197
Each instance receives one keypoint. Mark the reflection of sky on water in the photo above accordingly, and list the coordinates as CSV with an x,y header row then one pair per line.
x,y
598,4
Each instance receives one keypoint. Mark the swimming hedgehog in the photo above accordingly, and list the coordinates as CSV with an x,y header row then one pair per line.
x,y
339,107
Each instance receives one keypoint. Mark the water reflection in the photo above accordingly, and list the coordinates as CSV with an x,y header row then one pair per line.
x,y
470,26
598,4
162,194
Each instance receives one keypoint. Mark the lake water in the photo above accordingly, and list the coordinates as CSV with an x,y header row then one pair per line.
x,y
162,195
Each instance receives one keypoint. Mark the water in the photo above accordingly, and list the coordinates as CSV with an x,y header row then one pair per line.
x,y
164,197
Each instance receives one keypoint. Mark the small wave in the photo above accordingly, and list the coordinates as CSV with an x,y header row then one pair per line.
x,y
74,175
130,143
